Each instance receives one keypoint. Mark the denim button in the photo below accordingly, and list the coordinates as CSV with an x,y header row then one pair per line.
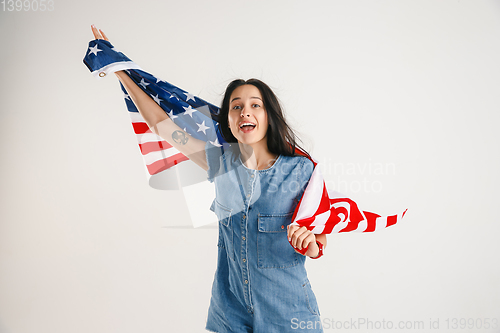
x,y
224,216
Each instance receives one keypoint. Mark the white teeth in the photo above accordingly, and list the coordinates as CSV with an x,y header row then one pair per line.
x,y
245,124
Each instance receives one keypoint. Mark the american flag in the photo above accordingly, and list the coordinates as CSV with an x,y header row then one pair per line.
x,y
189,112
321,211
324,211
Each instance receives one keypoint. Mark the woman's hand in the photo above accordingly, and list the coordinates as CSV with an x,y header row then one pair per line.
x,y
98,33
301,238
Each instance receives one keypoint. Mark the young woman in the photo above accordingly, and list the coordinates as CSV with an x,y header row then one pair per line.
x,y
260,284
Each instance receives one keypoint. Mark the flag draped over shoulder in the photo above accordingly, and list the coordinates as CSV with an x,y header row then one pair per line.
x,y
319,210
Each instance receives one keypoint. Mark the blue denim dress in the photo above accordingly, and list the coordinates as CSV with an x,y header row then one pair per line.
x,y
260,284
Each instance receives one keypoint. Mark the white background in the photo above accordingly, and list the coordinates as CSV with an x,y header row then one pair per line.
x,y
413,86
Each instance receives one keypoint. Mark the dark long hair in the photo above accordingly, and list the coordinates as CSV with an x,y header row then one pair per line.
x,y
281,139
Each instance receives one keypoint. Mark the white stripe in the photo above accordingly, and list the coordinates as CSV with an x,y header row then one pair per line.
x,y
332,194
320,219
362,226
339,226
320,222
318,230
312,196
148,137
114,67
380,223
364,217
136,117
343,204
159,155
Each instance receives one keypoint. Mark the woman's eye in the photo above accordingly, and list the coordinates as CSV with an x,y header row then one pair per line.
x,y
256,106
236,107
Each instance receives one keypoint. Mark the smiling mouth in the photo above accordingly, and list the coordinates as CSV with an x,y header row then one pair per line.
x,y
247,127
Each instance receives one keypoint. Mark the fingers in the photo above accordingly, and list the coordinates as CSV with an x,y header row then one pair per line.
x,y
300,237
102,32
98,33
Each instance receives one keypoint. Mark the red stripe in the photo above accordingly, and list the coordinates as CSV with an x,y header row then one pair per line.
x,y
164,164
150,147
392,220
140,128
306,222
324,204
354,215
370,219
332,221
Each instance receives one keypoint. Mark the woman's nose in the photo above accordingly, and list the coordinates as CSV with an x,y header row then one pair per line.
x,y
243,113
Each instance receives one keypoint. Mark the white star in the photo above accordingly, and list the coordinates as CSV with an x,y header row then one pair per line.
x,y
173,96
189,111
171,114
216,142
143,83
94,50
186,131
202,127
157,100
189,96
158,80
126,96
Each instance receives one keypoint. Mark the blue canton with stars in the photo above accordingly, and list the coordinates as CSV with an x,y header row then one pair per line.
x,y
189,112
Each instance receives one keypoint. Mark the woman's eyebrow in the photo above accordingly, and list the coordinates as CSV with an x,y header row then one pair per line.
x,y
234,99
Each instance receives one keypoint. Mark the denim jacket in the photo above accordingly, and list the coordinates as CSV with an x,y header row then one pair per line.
x,y
261,284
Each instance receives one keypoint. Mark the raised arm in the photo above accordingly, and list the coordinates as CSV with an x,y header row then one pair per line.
x,y
157,120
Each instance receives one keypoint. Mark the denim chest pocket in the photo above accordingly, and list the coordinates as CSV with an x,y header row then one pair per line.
x,y
273,248
224,215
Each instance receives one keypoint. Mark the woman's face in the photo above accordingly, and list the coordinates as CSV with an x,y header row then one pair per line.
x,y
247,116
